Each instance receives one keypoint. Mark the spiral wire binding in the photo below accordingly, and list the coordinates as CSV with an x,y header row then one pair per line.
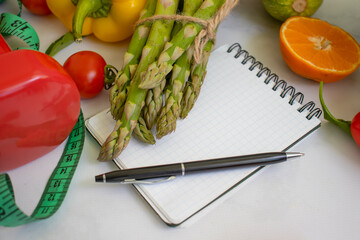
x,y
272,77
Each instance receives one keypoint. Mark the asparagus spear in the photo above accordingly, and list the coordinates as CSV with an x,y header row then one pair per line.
x,y
118,92
154,97
142,133
192,87
159,33
153,104
166,122
188,9
131,58
177,46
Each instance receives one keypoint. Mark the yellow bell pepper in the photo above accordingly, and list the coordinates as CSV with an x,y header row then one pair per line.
x,y
108,20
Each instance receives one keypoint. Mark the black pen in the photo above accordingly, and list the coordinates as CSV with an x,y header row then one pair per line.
x,y
133,175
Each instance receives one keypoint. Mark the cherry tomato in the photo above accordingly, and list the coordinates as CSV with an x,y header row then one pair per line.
x,y
38,7
87,70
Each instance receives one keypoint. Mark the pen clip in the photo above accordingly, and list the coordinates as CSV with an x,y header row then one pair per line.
x,y
134,181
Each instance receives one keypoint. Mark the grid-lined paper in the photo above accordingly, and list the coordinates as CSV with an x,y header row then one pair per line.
x,y
236,113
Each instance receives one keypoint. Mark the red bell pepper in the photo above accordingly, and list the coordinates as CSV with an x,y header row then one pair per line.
x,y
39,105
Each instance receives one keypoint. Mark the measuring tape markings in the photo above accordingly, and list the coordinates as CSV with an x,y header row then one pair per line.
x,y
56,187
60,179
13,25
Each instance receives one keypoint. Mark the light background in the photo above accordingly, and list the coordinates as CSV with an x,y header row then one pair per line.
x,y
315,197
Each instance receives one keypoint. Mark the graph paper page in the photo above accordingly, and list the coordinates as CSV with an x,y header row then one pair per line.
x,y
236,113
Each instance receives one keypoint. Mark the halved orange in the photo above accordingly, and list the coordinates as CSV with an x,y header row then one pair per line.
x,y
317,50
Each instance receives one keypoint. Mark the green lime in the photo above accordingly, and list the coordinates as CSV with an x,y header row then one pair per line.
x,y
283,9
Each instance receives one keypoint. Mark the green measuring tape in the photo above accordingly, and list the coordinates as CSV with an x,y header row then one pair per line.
x,y
12,25
56,187
60,179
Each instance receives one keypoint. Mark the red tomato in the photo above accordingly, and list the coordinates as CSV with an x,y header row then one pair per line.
x,y
87,70
355,128
38,7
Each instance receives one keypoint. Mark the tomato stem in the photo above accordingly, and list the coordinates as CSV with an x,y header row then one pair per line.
x,y
344,125
110,73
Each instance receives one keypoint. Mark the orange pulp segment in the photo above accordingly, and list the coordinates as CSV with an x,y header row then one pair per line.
x,y
317,50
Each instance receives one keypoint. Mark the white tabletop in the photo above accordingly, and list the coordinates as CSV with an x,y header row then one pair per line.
x,y
315,197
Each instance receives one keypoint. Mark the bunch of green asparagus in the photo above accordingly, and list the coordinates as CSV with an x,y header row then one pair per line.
x,y
159,82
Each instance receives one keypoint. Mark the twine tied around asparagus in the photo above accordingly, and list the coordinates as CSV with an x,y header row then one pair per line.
x,y
209,26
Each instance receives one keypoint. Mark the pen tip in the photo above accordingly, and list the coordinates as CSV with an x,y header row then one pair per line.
x,y
294,154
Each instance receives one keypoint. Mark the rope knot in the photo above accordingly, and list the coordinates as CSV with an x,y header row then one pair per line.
x,y
208,33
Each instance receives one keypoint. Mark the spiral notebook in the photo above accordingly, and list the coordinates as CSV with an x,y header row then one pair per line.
x,y
243,108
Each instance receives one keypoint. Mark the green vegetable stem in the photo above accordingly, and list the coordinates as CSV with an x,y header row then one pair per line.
x,y
344,125
351,127
160,31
